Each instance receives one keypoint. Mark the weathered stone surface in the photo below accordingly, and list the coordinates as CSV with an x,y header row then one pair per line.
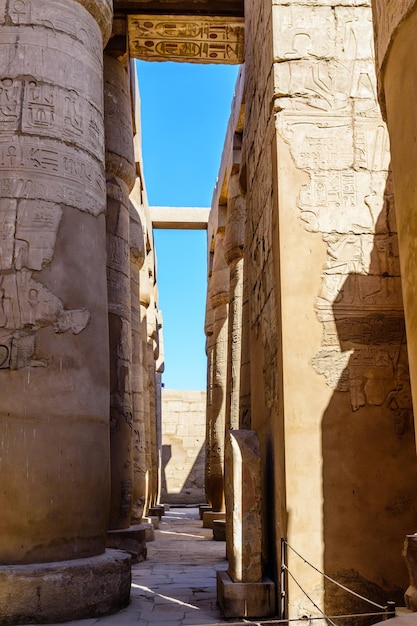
x,y
120,176
245,599
233,246
53,328
324,308
69,590
210,516
243,505
132,540
219,530
183,446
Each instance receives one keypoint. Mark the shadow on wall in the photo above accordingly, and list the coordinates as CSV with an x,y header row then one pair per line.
x,y
369,455
178,486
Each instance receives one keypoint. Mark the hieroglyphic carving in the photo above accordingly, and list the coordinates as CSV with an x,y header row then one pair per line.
x,y
10,98
304,33
53,170
28,234
61,113
185,38
327,113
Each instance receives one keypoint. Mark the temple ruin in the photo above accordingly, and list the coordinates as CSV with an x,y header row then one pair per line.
x,y
308,441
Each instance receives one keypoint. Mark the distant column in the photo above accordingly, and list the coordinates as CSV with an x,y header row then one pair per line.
x,y
209,398
144,305
152,350
120,172
233,245
137,258
219,296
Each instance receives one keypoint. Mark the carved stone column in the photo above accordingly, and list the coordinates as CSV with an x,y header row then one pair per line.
x,y
234,240
53,320
208,328
137,258
219,296
144,304
120,172
145,300
153,353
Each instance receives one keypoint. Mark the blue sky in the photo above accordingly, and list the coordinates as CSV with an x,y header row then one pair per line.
x,y
185,109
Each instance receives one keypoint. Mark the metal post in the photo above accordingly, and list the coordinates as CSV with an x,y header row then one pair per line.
x,y
389,610
283,595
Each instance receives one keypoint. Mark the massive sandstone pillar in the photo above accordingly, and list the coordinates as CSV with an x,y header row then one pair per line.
x,y
120,174
54,418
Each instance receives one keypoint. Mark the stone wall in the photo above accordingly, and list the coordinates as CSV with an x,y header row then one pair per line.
x,y
329,384
183,440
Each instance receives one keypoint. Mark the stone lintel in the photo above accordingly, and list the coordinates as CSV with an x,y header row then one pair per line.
x,y
245,599
66,590
187,38
181,218
234,8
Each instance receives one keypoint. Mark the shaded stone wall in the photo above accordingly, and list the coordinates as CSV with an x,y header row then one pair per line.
x,y
183,446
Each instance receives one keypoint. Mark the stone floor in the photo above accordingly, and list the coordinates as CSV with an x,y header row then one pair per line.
x,y
176,585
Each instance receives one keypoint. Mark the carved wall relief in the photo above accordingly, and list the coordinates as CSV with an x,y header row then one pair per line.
x,y
327,113
185,38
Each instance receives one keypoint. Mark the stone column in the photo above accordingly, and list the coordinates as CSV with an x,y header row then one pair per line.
x,y
152,350
120,166
219,296
209,352
234,239
144,307
242,590
53,320
137,258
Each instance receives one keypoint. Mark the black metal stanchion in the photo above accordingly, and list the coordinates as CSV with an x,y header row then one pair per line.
x,y
390,610
283,595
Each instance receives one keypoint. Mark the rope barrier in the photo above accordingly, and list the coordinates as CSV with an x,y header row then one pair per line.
x,y
334,581
312,618
312,601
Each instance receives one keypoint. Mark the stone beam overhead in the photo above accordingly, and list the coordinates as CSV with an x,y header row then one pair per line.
x,y
232,8
180,218
186,38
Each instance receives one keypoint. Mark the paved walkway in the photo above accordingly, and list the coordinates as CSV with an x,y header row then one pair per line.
x,y
176,585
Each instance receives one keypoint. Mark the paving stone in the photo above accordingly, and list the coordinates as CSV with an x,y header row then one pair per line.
x,y
176,586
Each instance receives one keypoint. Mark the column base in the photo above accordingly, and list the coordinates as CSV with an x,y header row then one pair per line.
x,y
132,540
156,511
210,516
219,530
245,599
204,508
48,593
